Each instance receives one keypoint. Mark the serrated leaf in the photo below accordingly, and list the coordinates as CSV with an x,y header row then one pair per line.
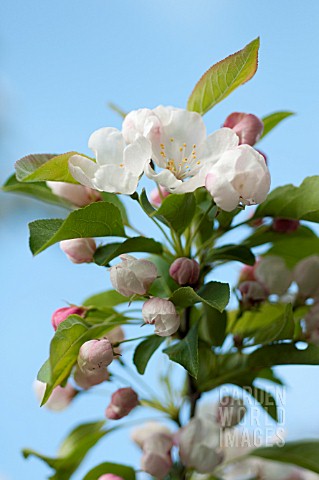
x,y
272,120
304,454
223,78
45,167
145,350
177,210
238,253
185,352
106,253
100,219
122,471
299,203
265,399
214,294
37,190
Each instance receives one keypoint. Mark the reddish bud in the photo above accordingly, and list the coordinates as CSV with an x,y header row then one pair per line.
x,y
157,197
63,313
247,274
247,126
122,402
252,293
185,271
285,225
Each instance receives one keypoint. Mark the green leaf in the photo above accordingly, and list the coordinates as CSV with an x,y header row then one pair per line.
x,y
44,374
177,210
100,219
304,454
272,322
45,167
292,250
66,343
37,190
238,253
145,204
214,294
283,354
265,399
72,451
105,254
268,374
127,473
185,352
145,350
115,200
265,234
223,78
110,298
300,203
212,326
272,120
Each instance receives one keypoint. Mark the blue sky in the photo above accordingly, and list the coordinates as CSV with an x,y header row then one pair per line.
x,y
61,62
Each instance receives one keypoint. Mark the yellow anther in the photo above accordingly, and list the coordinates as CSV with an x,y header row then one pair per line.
x,y
184,145
198,163
162,146
180,149
194,146
184,159
172,139
194,156
121,164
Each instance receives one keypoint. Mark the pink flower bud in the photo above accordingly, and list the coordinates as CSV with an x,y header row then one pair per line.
x,y
163,314
89,379
252,293
185,271
122,402
273,274
79,250
230,411
95,355
116,335
199,445
110,476
247,274
63,313
60,397
76,194
306,275
156,463
247,126
157,197
285,225
133,276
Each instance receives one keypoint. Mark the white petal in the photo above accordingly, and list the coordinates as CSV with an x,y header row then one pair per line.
x,y
137,155
217,143
137,123
83,170
108,145
165,178
116,179
224,194
191,185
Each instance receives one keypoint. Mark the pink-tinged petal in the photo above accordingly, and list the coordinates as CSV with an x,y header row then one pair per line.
x,y
138,122
218,143
165,178
116,179
83,170
137,155
108,145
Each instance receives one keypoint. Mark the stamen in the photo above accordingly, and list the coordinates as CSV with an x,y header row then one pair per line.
x,y
172,139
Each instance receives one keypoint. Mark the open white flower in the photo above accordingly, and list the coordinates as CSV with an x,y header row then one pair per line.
x,y
180,145
240,176
118,165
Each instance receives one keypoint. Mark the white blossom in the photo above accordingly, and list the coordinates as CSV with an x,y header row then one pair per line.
x,y
132,276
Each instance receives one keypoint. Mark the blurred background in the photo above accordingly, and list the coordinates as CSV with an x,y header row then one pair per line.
x,y
60,64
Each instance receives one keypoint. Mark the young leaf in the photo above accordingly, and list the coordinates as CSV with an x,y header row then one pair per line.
x,y
214,294
272,120
304,454
177,210
106,253
223,78
238,253
302,204
100,219
145,350
185,352
127,473
37,190
45,167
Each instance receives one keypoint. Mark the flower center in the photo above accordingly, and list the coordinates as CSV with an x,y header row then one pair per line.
x,y
178,159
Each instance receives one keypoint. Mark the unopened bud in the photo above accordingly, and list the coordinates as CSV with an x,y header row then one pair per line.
x,y
230,411
60,398
156,463
122,402
185,271
247,274
285,225
95,355
273,274
306,275
79,250
247,126
252,293
161,313
148,430
76,194
157,197
63,313
89,379
132,276
110,476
